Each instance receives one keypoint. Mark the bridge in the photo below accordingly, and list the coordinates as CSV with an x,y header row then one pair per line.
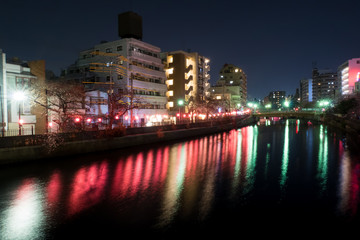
x,y
314,115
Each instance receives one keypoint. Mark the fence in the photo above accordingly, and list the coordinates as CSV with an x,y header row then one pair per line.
x,y
42,139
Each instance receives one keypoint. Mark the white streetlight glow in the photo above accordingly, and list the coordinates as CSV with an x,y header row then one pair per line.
x,y
19,95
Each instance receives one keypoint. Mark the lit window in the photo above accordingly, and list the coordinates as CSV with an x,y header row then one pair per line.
x,y
170,71
171,104
170,59
171,93
170,82
218,97
236,70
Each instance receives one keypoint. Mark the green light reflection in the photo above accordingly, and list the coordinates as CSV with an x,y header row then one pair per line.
x,y
251,158
285,157
323,157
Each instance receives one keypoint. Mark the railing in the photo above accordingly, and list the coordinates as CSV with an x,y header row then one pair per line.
x,y
44,139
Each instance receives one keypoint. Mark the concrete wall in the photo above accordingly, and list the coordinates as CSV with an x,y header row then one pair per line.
x,y
31,153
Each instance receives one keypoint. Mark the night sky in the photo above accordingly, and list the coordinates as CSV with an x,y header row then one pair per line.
x,y
274,42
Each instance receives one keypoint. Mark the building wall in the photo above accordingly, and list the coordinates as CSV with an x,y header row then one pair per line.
x,y
129,64
324,85
187,79
231,87
277,98
37,68
349,73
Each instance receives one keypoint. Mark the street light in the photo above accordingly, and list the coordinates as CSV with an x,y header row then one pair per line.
x,y
180,104
19,96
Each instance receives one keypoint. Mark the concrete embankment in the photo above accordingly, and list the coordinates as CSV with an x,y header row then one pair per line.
x,y
30,153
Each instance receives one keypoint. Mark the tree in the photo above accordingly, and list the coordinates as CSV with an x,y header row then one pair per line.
x,y
120,103
63,100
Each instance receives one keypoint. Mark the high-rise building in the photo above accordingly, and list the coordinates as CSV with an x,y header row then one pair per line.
x,y
324,85
349,74
277,99
187,79
306,91
231,88
126,64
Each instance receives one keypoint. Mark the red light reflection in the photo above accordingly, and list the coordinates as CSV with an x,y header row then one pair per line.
x,y
88,187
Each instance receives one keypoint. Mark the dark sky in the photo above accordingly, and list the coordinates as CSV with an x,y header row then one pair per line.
x,y
274,42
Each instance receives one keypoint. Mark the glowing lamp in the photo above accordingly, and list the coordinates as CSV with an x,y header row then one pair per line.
x,y
99,119
50,124
21,121
178,114
136,117
88,120
116,117
77,119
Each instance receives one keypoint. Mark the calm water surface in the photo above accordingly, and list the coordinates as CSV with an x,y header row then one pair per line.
x,y
272,179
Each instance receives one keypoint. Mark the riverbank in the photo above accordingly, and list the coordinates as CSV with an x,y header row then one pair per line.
x,y
12,155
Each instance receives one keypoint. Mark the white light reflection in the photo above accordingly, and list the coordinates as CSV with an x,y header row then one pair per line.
x,y
285,157
24,219
174,184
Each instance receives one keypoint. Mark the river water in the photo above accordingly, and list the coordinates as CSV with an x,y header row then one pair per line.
x,y
273,179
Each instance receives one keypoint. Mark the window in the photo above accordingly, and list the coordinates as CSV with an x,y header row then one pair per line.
x,y
108,78
119,48
120,77
108,50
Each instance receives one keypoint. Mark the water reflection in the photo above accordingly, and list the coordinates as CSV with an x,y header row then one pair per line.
x,y
349,187
285,156
323,158
189,180
88,187
25,218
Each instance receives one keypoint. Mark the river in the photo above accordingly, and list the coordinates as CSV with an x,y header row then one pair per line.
x,y
266,179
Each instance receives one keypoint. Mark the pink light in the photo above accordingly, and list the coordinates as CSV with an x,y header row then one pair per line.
x,y
99,119
126,118
178,114
21,121
136,117
116,117
50,124
184,115
77,119
88,120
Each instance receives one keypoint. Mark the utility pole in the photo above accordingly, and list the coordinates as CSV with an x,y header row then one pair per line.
x,y
2,114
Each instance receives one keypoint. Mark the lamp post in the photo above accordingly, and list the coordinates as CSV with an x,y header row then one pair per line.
x,y
19,96
180,104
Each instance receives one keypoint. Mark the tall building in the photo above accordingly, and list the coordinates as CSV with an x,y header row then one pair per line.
x,y
126,64
277,99
324,85
187,79
306,91
231,88
349,74
17,114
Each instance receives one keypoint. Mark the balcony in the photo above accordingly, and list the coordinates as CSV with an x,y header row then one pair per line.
x,y
190,78
190,67
189,90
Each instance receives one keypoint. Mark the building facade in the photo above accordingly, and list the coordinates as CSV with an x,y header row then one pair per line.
x,y
18,116
306,91
130,66
349,74
277,99
187,80
324,85
231,88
